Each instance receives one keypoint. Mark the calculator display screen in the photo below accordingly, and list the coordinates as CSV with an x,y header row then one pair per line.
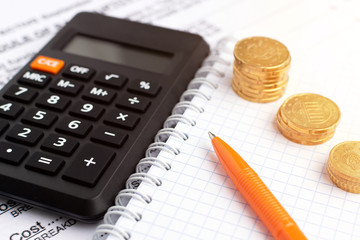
x,y
124,54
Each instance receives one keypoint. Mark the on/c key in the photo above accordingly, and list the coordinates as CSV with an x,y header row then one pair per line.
x,y
47,64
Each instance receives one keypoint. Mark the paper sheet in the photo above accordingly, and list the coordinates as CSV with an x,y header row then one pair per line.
x,y
200,202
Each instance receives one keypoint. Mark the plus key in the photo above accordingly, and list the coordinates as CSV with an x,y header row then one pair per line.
x,y
89,165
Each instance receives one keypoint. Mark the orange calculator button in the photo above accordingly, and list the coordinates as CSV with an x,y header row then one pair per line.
x,y
47,64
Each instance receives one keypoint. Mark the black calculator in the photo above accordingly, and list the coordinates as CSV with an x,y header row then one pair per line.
x,y
77,118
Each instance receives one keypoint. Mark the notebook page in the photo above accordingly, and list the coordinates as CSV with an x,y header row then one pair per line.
x,y
198,201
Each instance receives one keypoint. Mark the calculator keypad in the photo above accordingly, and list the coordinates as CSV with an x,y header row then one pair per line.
x,y
99,94
79,72
20,94
12,153
122,118
87,110
149,88
59,144
133,102
45,163
110,79
35,79
88,165
24,135
109,136
10,110
47,64
39,117
61,117
74,127
66,86
54,102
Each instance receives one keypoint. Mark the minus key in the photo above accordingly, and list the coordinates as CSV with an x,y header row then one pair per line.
x,y
109,136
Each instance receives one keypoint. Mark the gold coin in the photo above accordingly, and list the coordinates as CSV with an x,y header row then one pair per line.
x,y
302,133
299,135
308,140
254,99
265,79
341,176
260,69
304,141
240,79
345,159
261,52
259,86
258,92
343,184
259,80
307,131
261,92
310,113
258,72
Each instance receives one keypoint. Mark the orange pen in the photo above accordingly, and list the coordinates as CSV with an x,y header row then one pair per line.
x,y
259,197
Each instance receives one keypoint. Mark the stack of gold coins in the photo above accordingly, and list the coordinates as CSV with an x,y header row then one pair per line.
x,y
343,166
260,69
308,118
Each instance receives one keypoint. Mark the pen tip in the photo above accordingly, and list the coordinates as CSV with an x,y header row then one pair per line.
x,y
211,135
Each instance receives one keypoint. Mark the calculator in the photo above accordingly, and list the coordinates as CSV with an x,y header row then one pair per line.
x,y
78,117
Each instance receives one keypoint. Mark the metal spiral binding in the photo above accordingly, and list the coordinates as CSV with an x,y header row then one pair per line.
x,y
131,191
190,93
198,81
167,132
182,106
208,69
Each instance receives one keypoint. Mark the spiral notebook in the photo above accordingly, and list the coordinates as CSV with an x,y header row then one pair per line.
x,y
181,191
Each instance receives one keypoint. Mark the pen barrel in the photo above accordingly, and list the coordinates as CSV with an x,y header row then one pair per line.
x,y
267,207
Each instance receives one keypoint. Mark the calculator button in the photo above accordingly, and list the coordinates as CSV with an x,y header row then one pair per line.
x,y
53,102
149,88
121,118
47,64
89,165
133,102
10,110
98,94
20,94
79,72
110,79
11,153
108,136
3,126
60,144
39,118
24,135
44,163
74,127
35,79
66,86
87,110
